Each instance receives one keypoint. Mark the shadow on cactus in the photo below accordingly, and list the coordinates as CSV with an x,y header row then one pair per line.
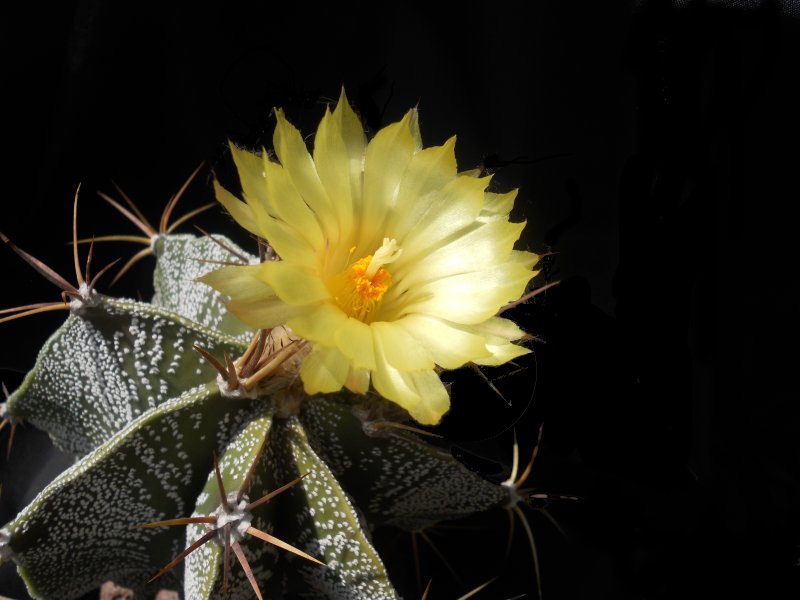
x,y
306,369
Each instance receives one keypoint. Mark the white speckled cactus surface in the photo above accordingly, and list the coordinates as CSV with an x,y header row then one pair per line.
x,y
223,446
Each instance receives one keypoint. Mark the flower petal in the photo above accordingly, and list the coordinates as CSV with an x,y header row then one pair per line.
x,y
392,383
357,381
324,370
294,156
354,339
449,346
320,324
454,207
496,328
466,298
293,284
286,241
526,259
388,155
501,354
352,132
241,283
400,349
240,211
413,125
498,205
333,166
265,313
421,393
288,205
428,171
477,249
250,167
435,399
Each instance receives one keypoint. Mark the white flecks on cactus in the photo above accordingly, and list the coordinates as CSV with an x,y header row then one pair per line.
x,y
183,258
354,569
120,382
80,531
397,479
5,549
203,575
109,365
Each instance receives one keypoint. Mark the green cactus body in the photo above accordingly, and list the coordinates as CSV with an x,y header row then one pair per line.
x,y
119,387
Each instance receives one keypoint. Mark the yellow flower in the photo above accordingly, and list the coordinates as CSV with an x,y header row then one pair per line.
x,y
391,262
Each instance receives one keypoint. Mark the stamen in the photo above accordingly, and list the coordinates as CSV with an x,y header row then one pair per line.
x,y
361,286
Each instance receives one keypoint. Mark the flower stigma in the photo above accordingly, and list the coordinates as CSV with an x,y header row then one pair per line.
x,y
359,290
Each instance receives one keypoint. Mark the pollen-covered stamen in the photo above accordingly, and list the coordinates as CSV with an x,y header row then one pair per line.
x,y
362,286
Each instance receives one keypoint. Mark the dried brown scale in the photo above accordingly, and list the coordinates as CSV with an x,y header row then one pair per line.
x,y
265,356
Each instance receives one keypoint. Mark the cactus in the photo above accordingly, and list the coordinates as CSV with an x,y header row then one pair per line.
x,y
179,414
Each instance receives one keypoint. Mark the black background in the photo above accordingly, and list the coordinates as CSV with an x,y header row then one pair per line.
x,y
655,148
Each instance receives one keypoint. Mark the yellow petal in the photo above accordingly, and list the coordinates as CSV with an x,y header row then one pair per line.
x,y
357,381
320,324
498,205
391,383
333,166
501,354
354,139
241,283
294,156
388,154
293,284
413,126
428,171
265,313
467,298
352,132
289,206
240,211
324,370
287,242
450,347
400,349
446,212
480,248
497,328
435,401
526,259
354,339
421,393
251,174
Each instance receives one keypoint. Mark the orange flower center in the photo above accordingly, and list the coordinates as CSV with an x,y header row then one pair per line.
x,y
360,288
